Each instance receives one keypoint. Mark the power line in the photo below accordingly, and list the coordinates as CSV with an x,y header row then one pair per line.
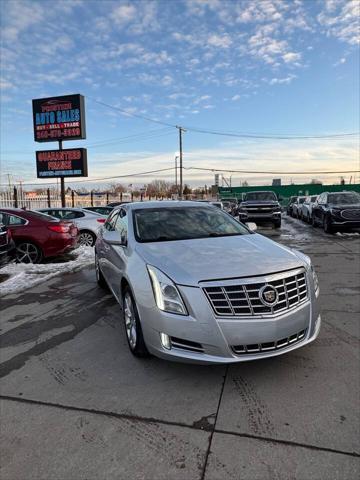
x,y
131,114
228,134
138,174
270,137
269,172
128,139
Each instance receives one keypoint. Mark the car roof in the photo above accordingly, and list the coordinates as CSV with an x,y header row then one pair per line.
x,y
78,209
166,204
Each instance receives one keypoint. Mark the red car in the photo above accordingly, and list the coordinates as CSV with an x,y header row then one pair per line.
x,y
37,235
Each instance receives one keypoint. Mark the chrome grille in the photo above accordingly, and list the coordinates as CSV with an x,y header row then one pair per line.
x,y
351,214
244,298
269,346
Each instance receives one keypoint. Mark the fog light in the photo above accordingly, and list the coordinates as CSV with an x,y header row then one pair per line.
x,y
165,341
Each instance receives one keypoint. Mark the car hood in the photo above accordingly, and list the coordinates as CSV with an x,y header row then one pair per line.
x,y
345,206
262,203
188,262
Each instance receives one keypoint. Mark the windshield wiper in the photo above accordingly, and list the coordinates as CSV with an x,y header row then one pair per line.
x,y
223,234
161,238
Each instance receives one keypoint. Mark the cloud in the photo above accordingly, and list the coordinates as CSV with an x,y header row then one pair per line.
x,y
6,84
291,57
123,14
167,80
270,49
340,62
235,98
221,41
340,19
284,80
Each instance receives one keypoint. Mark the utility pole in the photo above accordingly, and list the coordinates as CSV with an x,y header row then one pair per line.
x,y
176,172
8,175
181,130
62,183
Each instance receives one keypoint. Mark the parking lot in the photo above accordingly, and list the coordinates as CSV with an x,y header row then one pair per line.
x,y
77,405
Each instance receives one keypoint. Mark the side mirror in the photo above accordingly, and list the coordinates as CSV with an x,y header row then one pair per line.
x,y
251,226
114,238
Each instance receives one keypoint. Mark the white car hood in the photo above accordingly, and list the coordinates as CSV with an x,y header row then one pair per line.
x,y
188,262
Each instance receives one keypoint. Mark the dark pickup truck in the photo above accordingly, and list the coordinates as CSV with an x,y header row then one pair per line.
x,y
260,207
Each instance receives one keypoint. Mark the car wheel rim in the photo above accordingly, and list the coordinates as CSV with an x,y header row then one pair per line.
x,y
27,253
130,321
86,240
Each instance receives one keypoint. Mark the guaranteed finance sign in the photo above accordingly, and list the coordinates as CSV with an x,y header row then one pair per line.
x,y
70,162
59,118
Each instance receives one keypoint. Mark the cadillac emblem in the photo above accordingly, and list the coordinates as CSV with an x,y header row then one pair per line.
x,y
268,295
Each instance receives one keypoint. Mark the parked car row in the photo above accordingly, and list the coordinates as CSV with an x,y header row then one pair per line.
x,y
330,210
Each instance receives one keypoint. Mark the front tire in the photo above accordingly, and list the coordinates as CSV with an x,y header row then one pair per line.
x,y
132,325
99,276
313,222
27,252
327,225
277,224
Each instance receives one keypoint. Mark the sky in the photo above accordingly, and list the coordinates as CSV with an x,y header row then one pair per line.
x,y
267,68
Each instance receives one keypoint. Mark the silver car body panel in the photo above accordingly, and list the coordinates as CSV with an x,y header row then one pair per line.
x,y
194,264
88,222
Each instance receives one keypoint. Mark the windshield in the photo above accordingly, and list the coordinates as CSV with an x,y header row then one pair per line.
x,y
301,199
184,223
344,198
260,196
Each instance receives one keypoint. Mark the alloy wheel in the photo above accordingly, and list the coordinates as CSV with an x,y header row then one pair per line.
x,y
27,253
86,239
130,321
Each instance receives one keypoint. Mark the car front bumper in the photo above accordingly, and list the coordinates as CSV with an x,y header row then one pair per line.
x,y
259,217
217,336
345,224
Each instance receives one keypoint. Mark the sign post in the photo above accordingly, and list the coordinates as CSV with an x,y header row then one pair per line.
x,y
58,119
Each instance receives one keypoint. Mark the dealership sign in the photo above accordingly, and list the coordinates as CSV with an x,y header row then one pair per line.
x,y
59,118
70,162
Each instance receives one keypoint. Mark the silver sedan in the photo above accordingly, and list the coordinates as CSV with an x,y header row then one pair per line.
x,y
196,285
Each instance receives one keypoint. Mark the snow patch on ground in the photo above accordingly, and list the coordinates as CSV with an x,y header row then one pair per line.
x,y
24,276
347,234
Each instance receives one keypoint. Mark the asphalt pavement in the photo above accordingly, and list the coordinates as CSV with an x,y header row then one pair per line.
x,y
76,405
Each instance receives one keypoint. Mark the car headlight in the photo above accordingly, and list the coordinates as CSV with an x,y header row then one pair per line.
x,y
310,267
316,281
167,296
335,212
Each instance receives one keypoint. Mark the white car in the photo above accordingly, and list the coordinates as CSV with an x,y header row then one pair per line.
x,y
306,208
87,222
297,206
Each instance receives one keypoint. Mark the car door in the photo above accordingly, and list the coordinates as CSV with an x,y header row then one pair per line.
x,y
117,254
103,248
15,225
